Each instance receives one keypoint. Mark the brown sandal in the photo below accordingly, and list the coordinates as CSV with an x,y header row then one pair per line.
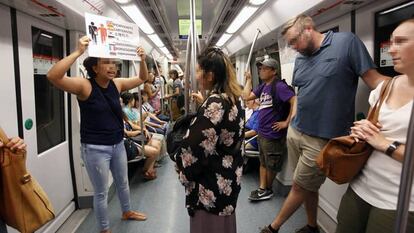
x,y
134,215
150,175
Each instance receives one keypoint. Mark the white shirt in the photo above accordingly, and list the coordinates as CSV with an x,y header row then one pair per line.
x,y
379,182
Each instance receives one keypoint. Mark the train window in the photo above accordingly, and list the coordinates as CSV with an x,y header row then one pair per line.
x,y
385,23
49,101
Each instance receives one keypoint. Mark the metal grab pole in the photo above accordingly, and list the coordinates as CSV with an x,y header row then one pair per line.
x,y
251,50
140,111
193,45
187,75
198,42
406,182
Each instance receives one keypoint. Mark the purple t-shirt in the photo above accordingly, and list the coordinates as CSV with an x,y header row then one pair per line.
x,y
267,116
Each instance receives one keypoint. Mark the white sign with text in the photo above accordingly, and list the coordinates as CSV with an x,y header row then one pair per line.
x,y
111,38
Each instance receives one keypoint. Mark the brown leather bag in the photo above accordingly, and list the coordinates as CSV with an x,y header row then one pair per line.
x,y
23,203
342,158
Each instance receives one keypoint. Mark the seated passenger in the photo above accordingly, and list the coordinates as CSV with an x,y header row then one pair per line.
x,y
155,125
128,105
131,111
151,148
252,124
154,115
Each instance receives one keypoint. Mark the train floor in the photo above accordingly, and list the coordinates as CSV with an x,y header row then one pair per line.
x,y
162,200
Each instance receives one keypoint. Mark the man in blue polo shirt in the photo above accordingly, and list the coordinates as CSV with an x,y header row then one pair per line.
x,y
326,73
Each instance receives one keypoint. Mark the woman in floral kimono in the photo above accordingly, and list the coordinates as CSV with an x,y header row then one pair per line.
x,y
210,162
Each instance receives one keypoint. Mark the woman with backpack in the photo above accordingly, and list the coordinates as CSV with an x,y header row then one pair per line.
x,y
210,161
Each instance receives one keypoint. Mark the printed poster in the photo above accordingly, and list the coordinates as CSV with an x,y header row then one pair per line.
x,y
111,38
43,63
385,57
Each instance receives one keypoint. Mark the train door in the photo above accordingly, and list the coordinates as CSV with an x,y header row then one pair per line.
x,y
45,113
8,106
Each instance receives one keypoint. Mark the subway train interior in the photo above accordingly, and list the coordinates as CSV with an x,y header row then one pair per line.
x,y
36,34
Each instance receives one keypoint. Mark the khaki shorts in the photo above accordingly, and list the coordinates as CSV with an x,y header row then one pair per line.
x,y
272,153
303,150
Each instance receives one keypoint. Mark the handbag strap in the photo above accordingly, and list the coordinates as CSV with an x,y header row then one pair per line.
x,y
374,111
3,136
106,101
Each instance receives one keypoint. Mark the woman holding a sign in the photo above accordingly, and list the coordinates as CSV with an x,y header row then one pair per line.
x,y
101,130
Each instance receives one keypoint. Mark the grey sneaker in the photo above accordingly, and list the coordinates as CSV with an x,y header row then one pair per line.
x,y
265,229
307,229
261,195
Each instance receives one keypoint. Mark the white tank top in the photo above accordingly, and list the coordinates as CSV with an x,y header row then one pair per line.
x,y
379,182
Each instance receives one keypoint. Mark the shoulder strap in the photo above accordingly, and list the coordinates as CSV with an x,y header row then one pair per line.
x,y
261,86
106,101
374,112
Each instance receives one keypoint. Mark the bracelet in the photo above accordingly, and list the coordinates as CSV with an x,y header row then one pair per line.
x,y
392,147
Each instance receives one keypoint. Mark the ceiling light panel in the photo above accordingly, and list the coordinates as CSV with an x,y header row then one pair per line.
x,y
241,18
223,39
165,50
135,14
257,2
122,1
156,39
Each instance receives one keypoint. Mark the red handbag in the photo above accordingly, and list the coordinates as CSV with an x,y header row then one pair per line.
x,y
342,158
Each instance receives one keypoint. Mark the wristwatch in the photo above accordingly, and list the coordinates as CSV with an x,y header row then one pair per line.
x,y
392,147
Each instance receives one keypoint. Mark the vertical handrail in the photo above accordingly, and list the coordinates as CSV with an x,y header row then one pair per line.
x,y
187,74
406,182
251,50
198,43
140,110
193,46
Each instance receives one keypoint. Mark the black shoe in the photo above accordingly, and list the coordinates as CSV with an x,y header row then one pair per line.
x,y
265,229
261,195
254,192
308,229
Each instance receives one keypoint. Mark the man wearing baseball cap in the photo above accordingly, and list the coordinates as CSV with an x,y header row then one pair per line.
x,y
275,111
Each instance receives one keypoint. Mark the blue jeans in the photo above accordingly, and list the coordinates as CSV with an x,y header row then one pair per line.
x,y
99,159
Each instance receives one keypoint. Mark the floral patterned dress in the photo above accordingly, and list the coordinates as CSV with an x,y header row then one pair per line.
x,y
210,163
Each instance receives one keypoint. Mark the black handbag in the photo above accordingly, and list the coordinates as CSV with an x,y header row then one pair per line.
x,y
131,149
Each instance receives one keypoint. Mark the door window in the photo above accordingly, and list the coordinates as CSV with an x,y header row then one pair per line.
x,y
49,101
